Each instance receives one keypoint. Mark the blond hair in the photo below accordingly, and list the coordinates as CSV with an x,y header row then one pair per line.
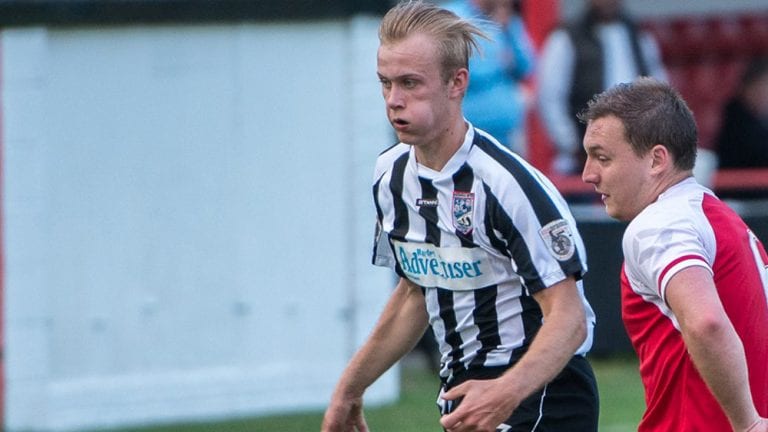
x,y
455,36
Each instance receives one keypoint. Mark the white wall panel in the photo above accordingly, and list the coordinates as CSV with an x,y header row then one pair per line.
x,y
187,219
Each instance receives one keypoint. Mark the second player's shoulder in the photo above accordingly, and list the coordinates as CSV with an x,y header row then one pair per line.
x,y
679,206
659,220
673,226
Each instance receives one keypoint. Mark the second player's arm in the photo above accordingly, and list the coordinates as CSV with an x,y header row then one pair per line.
x,y
712,342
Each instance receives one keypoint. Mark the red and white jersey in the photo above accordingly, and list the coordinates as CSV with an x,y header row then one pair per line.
x,y
688,226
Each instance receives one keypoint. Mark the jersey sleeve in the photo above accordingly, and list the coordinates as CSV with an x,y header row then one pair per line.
x,y
382,251
658,246
538,230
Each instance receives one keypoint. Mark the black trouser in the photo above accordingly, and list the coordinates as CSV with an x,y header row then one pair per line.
x,y
568,403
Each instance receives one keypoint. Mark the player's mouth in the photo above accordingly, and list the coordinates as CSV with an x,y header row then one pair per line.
x,y
399,123
603,195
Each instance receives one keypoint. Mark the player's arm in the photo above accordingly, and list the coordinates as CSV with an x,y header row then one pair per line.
x,y
488,403
713,344
400,326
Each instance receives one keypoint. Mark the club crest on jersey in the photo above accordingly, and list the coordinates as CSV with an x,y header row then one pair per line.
x,y
463,207
557,234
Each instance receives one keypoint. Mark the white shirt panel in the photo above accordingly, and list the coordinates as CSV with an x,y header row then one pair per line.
x,y
666,238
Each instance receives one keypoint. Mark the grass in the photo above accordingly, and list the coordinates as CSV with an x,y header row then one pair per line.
x,y
621,400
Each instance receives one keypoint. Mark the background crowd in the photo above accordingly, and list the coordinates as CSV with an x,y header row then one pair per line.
x,y
514,80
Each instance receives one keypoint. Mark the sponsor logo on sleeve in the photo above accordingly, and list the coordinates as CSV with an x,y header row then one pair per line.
x,y
558,236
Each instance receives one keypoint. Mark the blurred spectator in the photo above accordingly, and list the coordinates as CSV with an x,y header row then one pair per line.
x,y
495,100
743,138
601,48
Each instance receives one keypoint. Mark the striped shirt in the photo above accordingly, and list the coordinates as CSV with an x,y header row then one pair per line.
x,y
480,237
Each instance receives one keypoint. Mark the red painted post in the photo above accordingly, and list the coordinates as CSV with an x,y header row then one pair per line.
x,y
540,16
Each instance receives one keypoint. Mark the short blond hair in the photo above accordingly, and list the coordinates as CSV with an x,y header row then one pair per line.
x,y
456,37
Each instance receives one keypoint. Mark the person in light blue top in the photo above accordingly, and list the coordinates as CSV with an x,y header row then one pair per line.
x,y
495,100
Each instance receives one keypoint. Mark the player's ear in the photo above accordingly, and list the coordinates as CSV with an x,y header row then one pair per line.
x,y
459,82
661,158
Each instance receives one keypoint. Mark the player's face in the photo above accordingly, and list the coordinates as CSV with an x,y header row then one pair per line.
x,y
620,176
417,99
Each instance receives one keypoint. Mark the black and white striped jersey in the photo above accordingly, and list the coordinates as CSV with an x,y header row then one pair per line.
x,y
479,237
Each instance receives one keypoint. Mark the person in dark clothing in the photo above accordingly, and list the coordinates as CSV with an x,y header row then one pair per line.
x,y
743,138
603,47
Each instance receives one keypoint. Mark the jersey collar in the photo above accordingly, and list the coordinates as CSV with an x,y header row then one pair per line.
x,y
454,163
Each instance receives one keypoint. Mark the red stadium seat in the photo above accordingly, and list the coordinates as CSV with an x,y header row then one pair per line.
x,y
705,56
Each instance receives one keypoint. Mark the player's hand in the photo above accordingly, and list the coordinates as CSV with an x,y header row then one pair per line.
x,y
344,416
484,406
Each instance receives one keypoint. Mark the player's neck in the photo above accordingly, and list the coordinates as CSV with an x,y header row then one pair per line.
x,y
437,155
670,180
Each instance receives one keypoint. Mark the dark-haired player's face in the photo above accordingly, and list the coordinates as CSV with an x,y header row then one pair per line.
x,y
620,176
416,97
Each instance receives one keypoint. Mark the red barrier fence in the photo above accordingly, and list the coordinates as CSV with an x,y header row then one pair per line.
x,y
724,181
